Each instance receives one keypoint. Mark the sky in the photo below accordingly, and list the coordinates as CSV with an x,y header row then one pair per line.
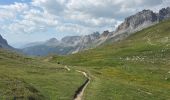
x,y
25,21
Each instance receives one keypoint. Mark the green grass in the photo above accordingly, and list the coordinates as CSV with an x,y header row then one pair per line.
x,y
137,68
26,78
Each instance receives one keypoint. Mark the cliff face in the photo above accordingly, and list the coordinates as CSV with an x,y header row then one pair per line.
x,y
3,41
4,44
133,22
142,19
164,13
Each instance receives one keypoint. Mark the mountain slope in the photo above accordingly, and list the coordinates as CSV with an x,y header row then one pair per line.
x,y
136,68
4,44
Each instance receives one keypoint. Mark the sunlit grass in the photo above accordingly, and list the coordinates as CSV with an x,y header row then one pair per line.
x,y
28,78
137,68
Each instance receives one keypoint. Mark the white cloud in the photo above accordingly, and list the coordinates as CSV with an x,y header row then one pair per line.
x,y
73,29
5,16
51,6
16,7
41,18
109,8
11,11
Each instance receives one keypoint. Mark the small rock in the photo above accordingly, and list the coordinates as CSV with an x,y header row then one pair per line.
x,y
166,78
169,72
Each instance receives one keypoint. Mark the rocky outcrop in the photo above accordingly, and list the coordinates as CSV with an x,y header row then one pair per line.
x,y
71,40
52,42
90,38
3,41
142,18
4,44
164,13
105,33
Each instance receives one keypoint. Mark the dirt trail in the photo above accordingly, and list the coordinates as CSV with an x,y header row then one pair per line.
x,y
68,69
79,93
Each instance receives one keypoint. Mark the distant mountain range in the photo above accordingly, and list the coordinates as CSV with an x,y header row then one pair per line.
x,y
74,44
67,45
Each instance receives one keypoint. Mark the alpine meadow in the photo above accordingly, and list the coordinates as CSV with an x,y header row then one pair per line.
x,y
84,50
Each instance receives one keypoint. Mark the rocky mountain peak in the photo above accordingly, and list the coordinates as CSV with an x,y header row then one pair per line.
x,y
70,39
105,33
134,21
4,44
3,41
143,19
95,34
52,40
164,13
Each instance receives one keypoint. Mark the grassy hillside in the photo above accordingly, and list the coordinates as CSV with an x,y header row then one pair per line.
x,y
137,68
25,78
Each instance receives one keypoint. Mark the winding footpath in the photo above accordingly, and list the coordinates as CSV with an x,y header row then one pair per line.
x,y
81,89
79,93
68,69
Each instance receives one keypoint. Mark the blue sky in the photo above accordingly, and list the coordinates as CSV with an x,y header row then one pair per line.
x,y
6,2
25,21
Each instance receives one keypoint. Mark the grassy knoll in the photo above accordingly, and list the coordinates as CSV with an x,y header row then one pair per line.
x,y
25,78
137,68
